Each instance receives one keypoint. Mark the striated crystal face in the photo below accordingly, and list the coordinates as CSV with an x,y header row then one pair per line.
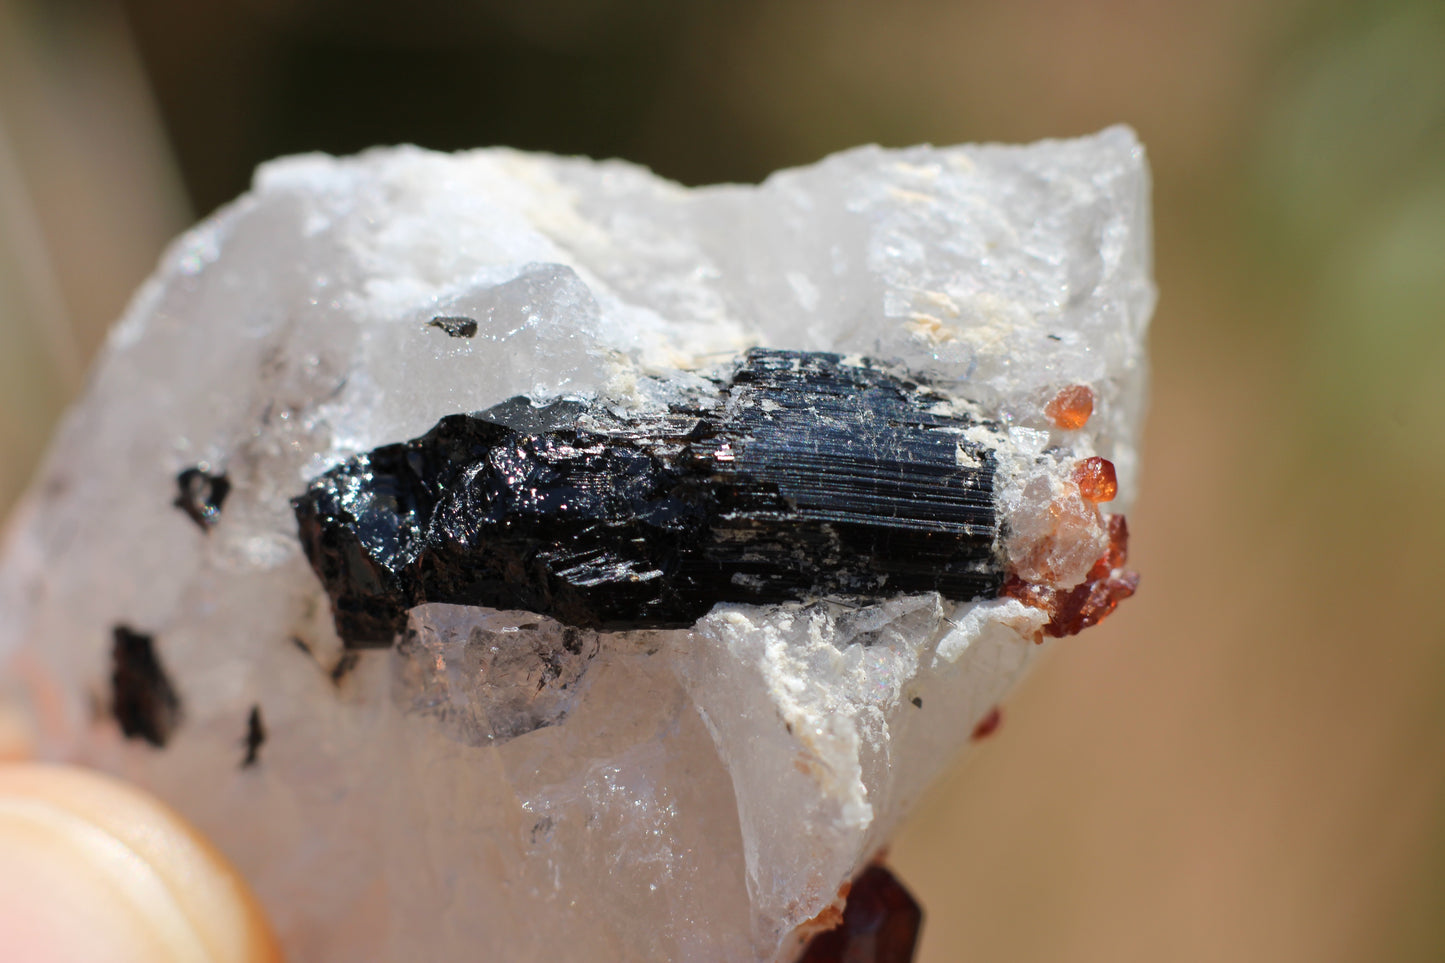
x,y
802,476
433,709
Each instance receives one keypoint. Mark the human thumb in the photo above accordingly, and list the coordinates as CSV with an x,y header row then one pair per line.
x,y
95,871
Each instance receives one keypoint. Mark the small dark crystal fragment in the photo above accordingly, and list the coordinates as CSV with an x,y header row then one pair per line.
x,y
455,327
255,738
142,699
989,724
803,475
880,924
201,495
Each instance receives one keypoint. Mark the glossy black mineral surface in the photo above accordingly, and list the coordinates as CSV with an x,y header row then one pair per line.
x,y
799,476
201,494
455,327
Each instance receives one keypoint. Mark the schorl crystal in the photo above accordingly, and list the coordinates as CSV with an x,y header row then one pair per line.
x,y
143,700
455,327
803,475
201,495
255,738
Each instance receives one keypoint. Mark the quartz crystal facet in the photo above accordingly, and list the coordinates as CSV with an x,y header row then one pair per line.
x,y
525,558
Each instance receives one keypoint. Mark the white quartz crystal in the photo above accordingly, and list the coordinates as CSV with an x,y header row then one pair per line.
x,y
664,795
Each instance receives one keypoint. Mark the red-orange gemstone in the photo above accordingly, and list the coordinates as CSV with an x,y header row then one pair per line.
x,y
1035,596
1118,552
1107,584
1096,479
1071,407
988,724
1090,604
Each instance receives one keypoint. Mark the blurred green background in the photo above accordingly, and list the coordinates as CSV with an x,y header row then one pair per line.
x,y
1248,761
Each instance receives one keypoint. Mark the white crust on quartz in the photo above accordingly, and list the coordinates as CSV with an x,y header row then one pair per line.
x,y
661,796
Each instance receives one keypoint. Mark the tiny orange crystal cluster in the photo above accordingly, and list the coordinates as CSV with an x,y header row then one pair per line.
x,y
1089,603
1108,583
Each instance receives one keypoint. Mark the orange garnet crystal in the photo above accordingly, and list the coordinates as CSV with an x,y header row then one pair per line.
x,y
1096,479
1071,407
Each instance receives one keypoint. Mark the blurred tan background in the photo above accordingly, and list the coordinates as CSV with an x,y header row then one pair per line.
x,y
1248,761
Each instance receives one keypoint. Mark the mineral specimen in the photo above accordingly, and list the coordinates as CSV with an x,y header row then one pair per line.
x,y
678,718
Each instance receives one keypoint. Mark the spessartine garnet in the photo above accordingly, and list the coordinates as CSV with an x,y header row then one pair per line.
x,y
1073,610
1071,407
1096,479
881,921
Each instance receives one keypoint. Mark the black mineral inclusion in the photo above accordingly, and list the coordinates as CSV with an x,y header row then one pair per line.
x,y
255,738
803,475
201,495
455,327
143,700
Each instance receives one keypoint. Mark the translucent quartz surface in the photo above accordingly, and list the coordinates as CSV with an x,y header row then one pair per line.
x,y
678,795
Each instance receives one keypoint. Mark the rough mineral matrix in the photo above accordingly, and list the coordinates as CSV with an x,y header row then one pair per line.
x,y
528,559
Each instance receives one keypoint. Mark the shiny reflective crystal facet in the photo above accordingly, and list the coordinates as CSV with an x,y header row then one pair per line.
x,y
799,475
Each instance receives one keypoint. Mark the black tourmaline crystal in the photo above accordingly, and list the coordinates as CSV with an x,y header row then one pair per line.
x,y
455,327
803,475
143,700
255,738
201,495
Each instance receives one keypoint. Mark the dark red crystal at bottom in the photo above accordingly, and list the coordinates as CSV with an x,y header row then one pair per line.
x,y
880,924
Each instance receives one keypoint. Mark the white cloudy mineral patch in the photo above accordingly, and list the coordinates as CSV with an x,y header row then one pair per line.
x,y
492,788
